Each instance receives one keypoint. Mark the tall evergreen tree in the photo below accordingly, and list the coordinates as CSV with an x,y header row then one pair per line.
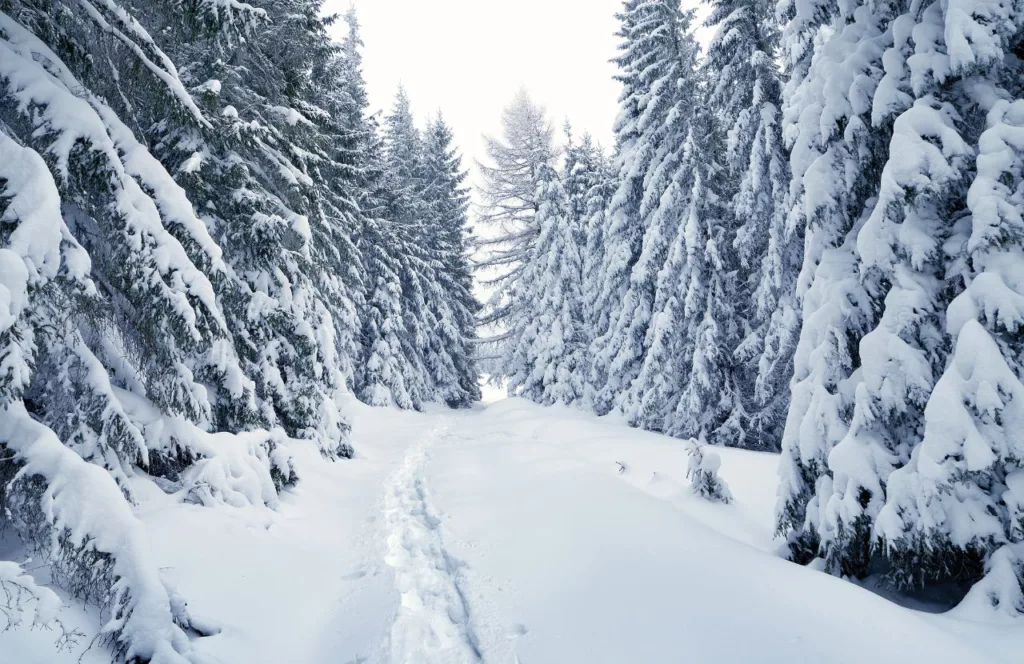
x,y
509,190
745,97
656,68
948,223
547,362
835,155
709,405
286,218
594,221
109,303
448,204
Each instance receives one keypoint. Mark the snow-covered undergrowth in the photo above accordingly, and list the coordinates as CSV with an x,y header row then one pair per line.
x,y
511,533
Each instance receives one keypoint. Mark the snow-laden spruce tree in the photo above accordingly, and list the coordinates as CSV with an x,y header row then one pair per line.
x,y
113,337
265,177
904,261
744,97
657,70
833,55
380,364
548,361
447,199
508,191
383,366
585,179
588,182
954,511
408,211
710,406
602,175
702,469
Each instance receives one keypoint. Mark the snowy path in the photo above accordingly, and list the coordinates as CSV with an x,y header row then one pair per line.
x,y
433,623
515,534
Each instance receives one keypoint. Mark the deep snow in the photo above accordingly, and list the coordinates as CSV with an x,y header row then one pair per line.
x,y
515,533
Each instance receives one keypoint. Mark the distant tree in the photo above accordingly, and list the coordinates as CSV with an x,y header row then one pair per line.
x,y
509,205
448,203
548,360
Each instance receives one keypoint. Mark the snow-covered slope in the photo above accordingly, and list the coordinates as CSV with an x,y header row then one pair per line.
x,y
515,533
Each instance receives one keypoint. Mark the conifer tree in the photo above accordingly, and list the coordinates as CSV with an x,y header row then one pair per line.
x,y
407,210
548,359
709,405
593,224
509,192
656,68
448,202
745,98
834,162
286,218
947,223
110,307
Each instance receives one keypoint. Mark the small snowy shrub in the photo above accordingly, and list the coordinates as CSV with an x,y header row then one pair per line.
x,y
703,473
23,603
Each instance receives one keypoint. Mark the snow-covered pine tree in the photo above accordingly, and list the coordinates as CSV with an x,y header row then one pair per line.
x,y
110,318
657,71
416,255
588,182
381,367
382,371
954,512
745,97
702,469
902,258
593,224
833,55
710,405
584,171
339,267
547,362
182,375
448,203
508,191
261,175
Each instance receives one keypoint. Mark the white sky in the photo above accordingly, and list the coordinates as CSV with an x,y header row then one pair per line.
x,y
467,58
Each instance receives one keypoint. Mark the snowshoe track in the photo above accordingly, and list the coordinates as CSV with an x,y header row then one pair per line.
x,y
433,623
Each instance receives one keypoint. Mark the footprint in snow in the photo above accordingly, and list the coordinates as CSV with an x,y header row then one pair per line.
x,y
515,631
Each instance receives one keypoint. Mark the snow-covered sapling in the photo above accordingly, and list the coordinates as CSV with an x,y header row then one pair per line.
x,y
703,473
23,603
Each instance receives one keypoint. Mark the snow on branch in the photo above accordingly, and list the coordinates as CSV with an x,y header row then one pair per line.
x,y
60,109
139,42
24,603
85,520
247,468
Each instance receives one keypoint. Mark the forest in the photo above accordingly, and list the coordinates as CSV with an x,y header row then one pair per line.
x,y
806,242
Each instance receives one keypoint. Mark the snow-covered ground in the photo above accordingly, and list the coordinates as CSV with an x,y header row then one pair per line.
x,y
516,534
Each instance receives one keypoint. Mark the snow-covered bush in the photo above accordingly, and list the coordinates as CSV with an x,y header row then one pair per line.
x,y
72,514
24,603
702,469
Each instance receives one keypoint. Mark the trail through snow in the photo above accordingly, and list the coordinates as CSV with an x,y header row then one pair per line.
x,y
515,534
433,621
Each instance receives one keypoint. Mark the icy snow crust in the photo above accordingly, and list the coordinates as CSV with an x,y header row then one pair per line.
x,y
511,533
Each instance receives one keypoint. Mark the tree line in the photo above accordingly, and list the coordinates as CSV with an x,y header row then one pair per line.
x,y
209,244
808,238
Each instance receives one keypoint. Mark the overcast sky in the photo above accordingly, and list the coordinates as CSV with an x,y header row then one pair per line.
x,y
468,57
